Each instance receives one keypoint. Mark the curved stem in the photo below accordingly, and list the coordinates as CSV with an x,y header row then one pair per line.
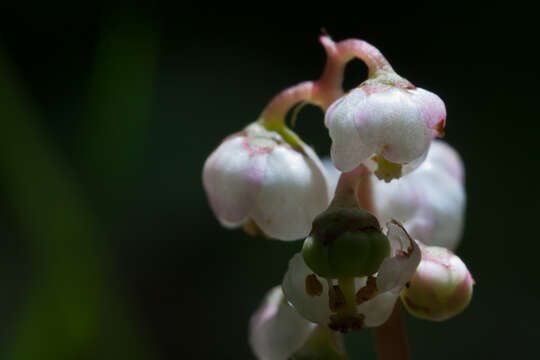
x,y
322,92
328,87
391,337
374,59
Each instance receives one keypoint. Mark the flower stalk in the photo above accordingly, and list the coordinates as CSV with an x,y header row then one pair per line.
x,y
391,340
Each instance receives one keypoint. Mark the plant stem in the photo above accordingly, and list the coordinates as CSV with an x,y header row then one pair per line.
x,y
391,337
328,87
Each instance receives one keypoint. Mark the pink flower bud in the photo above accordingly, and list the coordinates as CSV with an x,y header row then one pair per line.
x,y
441,288
261,175
387,117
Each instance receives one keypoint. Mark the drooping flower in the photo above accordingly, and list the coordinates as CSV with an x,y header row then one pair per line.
x,y
344,288
441,288
278,332
386,121
269,176
430,202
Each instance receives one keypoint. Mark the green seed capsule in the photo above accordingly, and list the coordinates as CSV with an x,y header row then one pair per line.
x,y
345,244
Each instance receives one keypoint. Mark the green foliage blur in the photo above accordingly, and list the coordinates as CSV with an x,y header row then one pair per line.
x,y
109,249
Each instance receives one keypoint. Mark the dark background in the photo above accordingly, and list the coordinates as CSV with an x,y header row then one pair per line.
x,y
109,248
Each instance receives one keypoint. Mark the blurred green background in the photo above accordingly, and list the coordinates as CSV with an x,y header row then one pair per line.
x,y
109,248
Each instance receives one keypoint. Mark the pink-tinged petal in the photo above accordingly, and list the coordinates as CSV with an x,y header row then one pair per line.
x,y
232,178
348,150
390,124
429,202
441,288
445,156
315,306
432,110
276,330
332,175
378,309
293,193
397,270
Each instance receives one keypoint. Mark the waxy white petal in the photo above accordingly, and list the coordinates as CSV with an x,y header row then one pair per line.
x,y
430,202
276,330
313,308
397,270
255,174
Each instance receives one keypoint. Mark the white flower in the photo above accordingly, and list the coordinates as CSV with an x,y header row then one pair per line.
x,y
353,302
268,176
387,120
278,332
430,202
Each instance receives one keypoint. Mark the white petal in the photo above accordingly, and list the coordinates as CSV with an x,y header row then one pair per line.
x,y
313,308
378,309
332,175
276,330
431,108
445,156
390,122
397,270
232,179
348,148
430,202
293,193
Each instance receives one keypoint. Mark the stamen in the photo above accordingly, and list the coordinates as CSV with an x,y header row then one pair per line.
x,y
336,298
313,285
251,228
346,323
367,292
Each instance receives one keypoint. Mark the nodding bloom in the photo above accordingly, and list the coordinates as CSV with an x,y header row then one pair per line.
x,y
353,281
441,288
269,177
430,202
278,332
386,123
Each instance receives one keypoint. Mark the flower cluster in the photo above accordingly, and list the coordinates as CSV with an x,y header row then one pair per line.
x,y
380,221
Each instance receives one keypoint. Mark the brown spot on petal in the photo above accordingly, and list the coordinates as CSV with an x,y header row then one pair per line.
x,y
439,128
251,228
367,292
336,298
345,323
313,285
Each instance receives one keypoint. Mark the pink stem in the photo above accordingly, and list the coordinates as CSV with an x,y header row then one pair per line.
x,y
374,59
322,92
354,189
391,337
328,87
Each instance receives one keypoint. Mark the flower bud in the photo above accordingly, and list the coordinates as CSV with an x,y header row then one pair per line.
x,y
441,288
269,175
345,242
386,120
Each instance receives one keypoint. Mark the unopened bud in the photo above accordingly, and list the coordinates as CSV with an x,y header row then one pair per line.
x,y
441,288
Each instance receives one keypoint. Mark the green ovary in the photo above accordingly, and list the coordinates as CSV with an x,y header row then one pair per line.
x,y
351,254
